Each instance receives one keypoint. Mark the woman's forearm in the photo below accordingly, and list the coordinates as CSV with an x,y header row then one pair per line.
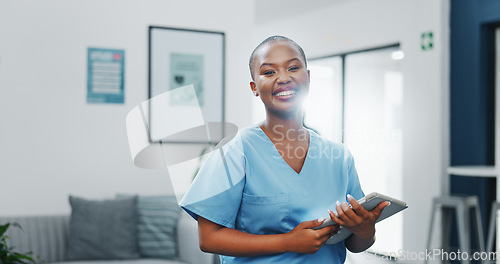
x,y
232,242
357,244
303,238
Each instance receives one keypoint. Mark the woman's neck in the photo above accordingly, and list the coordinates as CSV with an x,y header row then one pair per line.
x,y
292,127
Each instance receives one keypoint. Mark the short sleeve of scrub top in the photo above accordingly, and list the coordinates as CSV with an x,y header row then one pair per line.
x,y
216,191
247,185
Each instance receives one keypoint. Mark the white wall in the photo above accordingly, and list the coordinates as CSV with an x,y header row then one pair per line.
x,y
52,143
355,25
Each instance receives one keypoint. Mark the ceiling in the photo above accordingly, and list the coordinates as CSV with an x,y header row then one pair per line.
x,y
269,10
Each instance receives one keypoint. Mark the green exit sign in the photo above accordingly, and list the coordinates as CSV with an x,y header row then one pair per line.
x,y
427,40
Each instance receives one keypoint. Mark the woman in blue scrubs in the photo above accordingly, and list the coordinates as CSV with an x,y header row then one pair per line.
x,y
259,198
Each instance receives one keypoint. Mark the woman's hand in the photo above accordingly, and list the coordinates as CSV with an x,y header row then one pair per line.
x,y
304,239
359,221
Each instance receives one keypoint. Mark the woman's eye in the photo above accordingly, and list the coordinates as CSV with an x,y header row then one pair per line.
x,y
294,68
268,72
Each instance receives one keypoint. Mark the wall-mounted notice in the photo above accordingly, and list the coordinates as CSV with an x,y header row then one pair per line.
x,y
105,76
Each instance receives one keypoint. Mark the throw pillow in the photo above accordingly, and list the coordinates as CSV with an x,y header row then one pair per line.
x,y
103,229
157,226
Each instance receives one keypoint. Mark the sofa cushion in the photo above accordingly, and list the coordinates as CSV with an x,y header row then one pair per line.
x,y
104,229
135,261
157,222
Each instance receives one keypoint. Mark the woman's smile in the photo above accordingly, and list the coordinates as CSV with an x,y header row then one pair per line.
x,y
285,93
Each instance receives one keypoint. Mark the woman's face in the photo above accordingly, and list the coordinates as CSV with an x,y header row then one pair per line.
x,y
281,77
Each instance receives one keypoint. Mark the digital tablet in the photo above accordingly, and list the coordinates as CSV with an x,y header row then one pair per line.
x,y
369,202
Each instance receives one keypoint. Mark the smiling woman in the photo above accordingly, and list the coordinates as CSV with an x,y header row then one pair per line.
x,y
260,198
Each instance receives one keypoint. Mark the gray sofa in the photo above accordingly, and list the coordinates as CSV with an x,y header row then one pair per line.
x,y
47,236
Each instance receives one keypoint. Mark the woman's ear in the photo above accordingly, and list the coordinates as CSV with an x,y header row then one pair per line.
x,y
253,86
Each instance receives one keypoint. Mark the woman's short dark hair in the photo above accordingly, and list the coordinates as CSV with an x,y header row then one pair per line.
x,y
273,39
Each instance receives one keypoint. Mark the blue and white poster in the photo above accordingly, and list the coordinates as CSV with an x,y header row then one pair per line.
x,y
105,76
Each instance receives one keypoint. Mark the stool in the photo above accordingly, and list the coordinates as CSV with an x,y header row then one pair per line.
x,y
462,206
491,230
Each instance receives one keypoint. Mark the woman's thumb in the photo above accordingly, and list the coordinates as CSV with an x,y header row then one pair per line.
x,y
313,223
378,210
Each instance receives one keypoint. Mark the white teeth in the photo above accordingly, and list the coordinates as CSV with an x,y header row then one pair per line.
x,y
285,93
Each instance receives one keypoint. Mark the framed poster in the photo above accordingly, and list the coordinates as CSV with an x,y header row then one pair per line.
x,y
186,79
105,76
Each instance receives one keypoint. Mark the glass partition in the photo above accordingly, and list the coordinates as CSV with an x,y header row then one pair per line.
x,y
323,106
372,131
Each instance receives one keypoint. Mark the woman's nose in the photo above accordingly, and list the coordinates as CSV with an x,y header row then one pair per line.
x,y
283,78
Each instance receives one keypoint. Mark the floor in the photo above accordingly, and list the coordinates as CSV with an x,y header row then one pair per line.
x,y
365,257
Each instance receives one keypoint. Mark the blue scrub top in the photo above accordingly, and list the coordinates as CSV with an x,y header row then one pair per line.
x,y
247,185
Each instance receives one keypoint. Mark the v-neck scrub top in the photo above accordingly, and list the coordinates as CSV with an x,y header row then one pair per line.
x,y
247,185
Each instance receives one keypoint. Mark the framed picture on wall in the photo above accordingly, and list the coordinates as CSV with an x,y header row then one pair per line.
x,y
186,85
